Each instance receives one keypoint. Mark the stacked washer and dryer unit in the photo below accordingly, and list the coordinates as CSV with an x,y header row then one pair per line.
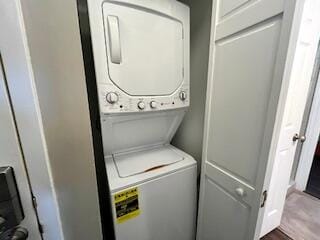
x,y
141,54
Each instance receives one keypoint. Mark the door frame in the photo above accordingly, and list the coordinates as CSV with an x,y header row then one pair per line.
x,y
12,155
312,135
26,110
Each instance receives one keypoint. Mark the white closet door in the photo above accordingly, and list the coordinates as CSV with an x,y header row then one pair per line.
x,y
295,104
249,46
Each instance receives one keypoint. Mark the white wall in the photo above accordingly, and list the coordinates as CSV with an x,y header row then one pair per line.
x,y
189,135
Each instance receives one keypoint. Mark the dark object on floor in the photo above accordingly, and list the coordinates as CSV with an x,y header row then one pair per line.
x,y
276,235
18,233
313,186
300,219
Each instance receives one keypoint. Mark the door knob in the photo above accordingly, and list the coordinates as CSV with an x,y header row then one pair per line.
x,y
297,137
240,192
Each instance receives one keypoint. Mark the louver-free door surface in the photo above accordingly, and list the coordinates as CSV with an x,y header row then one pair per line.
x,y
249,46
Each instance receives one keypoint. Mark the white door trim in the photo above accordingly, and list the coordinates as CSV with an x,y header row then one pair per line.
x,y
20,79
309,146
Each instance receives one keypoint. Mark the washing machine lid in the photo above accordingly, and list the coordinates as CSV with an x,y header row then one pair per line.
x,y
144,49
131,132
130,164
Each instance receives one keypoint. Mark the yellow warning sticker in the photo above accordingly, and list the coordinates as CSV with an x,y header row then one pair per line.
x,y
127,204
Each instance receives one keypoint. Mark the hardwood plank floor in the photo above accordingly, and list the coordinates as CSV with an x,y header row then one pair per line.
x,y
300,219
276,235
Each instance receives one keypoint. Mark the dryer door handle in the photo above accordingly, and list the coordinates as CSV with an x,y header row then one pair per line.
x,y
114,39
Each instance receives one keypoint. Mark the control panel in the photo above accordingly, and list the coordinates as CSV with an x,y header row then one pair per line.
x,y
113,100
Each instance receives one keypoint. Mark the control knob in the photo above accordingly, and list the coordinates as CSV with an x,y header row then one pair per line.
x,y
141,105
112,97
153,104
183,95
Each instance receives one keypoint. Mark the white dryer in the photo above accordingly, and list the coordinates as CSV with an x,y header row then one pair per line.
x,y
141,54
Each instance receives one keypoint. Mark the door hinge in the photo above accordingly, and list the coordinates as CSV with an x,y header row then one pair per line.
x,y
34,202
35,206
264,198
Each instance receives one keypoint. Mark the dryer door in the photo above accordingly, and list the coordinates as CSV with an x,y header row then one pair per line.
x,y
144,49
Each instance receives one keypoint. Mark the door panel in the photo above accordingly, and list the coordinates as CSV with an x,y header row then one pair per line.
x,y
252,13
248,56
228,6
235,214
238,108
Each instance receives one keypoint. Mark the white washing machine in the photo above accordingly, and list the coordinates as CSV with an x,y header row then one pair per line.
x,y
163,178
163,206
141,55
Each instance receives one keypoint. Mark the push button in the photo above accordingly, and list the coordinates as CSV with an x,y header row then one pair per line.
x,y
153,104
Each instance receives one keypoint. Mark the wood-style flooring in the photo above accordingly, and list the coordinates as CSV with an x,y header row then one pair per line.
x,y
301,217
276,235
